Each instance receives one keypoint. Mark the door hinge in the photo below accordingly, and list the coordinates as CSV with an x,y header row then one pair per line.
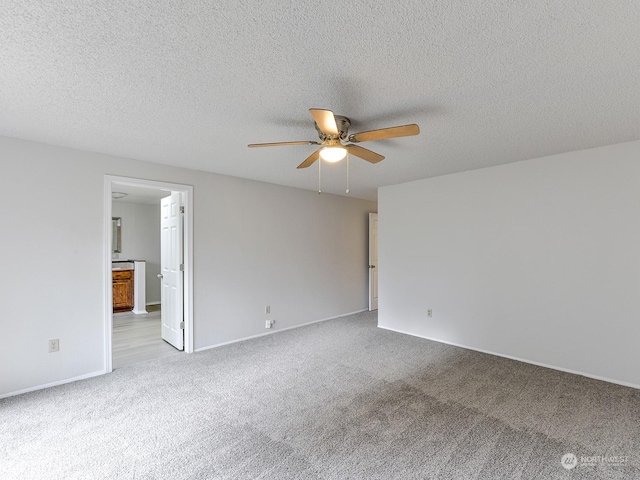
x,y
182,325
182,267
181,209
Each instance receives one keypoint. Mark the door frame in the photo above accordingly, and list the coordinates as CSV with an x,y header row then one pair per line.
x,y
110,181
373,269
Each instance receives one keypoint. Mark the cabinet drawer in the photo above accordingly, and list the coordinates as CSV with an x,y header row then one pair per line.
x,y
122,274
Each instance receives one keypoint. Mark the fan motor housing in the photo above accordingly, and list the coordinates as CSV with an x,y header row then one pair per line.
x,y
343,124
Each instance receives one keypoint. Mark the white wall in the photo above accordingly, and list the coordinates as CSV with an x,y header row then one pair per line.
x,y
538,260
140,233
255,244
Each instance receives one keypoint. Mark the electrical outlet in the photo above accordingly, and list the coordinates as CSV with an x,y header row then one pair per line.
x,y
54,345
267,309
429,313
269,323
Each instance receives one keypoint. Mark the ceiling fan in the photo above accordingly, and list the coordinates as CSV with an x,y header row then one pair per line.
x,y
333,131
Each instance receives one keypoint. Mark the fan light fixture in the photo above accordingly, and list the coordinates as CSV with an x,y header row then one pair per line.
x,y
333,154
332,131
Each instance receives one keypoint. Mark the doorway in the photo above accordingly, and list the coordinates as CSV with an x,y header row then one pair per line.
x,y
373,261
129,336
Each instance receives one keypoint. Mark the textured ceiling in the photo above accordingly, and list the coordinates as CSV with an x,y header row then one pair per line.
x,y
192,83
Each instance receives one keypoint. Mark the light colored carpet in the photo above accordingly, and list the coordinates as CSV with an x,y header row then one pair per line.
x,y
338,399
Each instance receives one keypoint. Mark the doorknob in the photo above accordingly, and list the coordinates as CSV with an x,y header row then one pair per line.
x,y
160,275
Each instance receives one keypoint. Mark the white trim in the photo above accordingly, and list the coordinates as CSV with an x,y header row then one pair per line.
x,y
108,276
53,384
370,271
202,349
518,359
187,190
139,287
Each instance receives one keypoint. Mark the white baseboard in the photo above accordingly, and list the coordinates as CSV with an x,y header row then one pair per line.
x,y
518,359
53,384
102,372
201,349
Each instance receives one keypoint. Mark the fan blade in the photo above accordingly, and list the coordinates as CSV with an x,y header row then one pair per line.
x,y
364,153
391,132
325,120
311,159
278,144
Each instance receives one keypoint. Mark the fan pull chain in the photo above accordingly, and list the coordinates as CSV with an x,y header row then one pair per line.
x,y
348,172
319,175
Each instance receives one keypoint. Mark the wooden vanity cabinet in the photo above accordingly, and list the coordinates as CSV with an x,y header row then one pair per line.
x,y
122,290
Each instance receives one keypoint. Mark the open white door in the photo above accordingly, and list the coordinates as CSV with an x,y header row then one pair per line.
x,y
373,261
171,268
